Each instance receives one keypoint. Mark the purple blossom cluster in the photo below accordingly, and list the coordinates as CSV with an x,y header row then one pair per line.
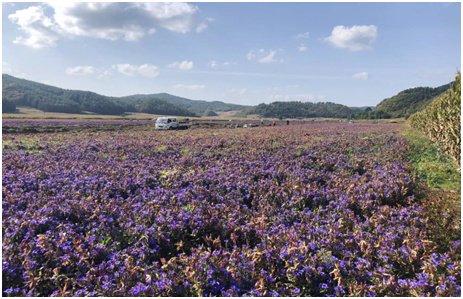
x,y
321,209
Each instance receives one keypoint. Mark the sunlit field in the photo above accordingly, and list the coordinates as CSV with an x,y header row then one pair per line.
x,y
314,209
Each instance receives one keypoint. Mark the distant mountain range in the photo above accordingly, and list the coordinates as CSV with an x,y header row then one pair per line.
x,y
48,98
21,92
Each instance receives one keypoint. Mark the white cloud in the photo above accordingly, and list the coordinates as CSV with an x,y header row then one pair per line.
x,y
360,76
128,21
192,87
302,48
126,69
213,64
86,70
182,65
203,25
263,56
148,70
174,16
111,21
269,58
39,30
304,35
145,70
80,70
355,38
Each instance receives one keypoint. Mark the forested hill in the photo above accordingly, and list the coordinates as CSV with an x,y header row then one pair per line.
x,y
410,100
403,104
196,106
296,109
21,92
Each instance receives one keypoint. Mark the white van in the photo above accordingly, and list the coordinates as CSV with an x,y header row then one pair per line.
x,y
171,123
166,123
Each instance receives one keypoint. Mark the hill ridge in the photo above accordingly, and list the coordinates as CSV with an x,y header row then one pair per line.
x,y
410,100
55,99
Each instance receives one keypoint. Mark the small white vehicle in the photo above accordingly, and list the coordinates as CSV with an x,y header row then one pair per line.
x,y
170,123
166,123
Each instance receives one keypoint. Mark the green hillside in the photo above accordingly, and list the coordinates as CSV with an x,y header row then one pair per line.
x,y
410,100
296,109
196,106
21,92
52,99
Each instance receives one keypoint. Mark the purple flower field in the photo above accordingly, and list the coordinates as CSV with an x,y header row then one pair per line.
x,y
321,209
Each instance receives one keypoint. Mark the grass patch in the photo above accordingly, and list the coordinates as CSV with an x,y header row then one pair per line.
x,y
430,164
440,180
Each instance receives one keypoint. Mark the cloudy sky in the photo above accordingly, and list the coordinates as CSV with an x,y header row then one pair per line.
x,y
354,54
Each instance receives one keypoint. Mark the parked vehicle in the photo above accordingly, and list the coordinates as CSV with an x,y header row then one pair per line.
x,y
170,123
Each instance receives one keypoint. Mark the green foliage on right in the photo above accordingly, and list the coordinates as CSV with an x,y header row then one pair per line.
x,y
440,120
441,194
410,100
430,163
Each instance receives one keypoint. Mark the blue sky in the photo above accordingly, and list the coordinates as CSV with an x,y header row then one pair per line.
x,y
246,53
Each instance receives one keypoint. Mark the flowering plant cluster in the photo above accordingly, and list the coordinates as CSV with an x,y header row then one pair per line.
x,y
322,209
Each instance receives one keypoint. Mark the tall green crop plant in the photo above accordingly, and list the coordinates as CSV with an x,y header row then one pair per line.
x,y
440,120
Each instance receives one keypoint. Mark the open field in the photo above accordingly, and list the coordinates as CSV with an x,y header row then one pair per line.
x,y
29,120
43,125
313,208
25,126
32,113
